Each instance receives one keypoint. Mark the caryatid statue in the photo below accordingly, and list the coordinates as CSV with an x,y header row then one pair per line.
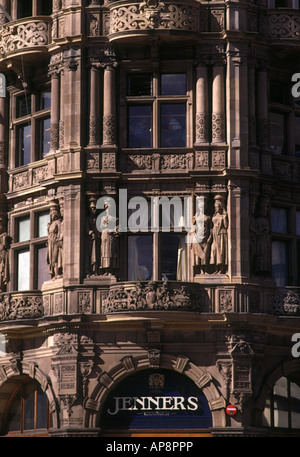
x,y
55,241
4,247
219,247
108,226
93,237
201,236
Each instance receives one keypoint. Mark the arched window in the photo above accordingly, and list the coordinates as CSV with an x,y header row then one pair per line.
x,y
27,411
282,408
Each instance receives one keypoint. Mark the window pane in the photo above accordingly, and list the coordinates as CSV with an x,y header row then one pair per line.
x,y
139,85
173,125
277,132
45,99
173,84
297,136
25,8
277,92
140,126
23,105
42,409
43,221
23,265
24,229
24,146
279,220
173,265
14,414
43,269
29,407
45,137
280,263
140,258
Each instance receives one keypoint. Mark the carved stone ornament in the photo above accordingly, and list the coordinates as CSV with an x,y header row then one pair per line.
x,y
13,307
286,302
153,296
28,34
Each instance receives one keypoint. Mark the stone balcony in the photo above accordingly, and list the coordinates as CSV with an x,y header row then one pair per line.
x,y
25,36
147,297
132,19
284,25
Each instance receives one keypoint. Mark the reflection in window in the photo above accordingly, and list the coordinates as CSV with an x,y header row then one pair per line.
x,y
43,220
23,105
45,99
173,257
173,84
24,145
44,137
140,258
43,273
140,126
23,269
24,229
280,263
173,125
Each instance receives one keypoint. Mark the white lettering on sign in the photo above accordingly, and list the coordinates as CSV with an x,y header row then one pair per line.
x,y
154,403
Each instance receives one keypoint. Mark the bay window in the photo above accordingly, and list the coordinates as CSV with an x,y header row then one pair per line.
x,y
29,260
157,110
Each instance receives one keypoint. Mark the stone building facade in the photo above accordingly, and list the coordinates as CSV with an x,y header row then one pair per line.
x,y
114,105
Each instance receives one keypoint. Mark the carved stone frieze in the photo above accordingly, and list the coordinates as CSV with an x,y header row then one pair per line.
x,y
284,25
145,296
286,301
17,306
154,14
25,35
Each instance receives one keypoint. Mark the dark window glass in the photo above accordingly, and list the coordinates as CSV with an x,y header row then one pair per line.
x,y
45,8
297,136
44,137
42,409
15,413
279,220
173,84
277,92
173,125
24,8
29,407
23,105
24,145
298,223
139,85
281,3
277,132
140,258
280,263
140,126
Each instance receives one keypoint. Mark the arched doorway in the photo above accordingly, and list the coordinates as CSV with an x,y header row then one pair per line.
x,y
156,403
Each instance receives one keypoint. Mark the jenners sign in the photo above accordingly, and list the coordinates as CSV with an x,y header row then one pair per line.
x,y
165,403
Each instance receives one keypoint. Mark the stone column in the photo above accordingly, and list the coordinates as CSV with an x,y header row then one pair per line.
x,y
218,110
94,107
109,107
3,119
55,109
201,105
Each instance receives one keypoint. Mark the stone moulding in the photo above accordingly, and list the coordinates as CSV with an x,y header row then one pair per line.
x,y
24,34
156,296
